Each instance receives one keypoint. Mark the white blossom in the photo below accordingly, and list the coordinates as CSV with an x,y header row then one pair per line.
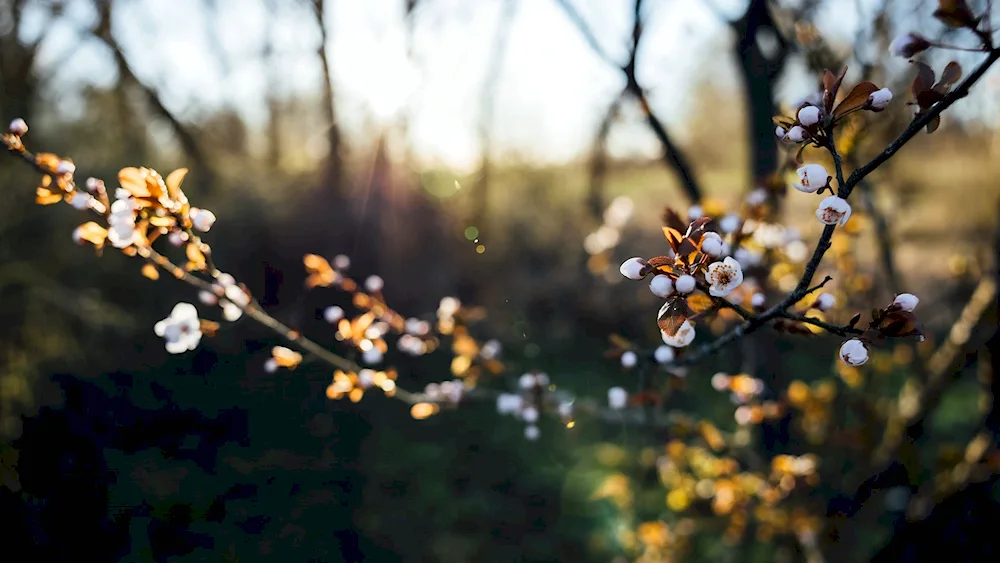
x,y
177,238
685,284
80,200
333,314
181,330
812,177
664,354
906,302
208,298
366,378
681,338
825,301
629,359
730,223
271,365
724,277
809,115
374,284
907,45
372,356
853,352
834,211
527,381
202,219
661,285
18,127
757,197
880,99
65,167
711,244
720,381
757,300
633,268
531,432
490,350
121,221
617,398
529,414
509,403
341,262
797,134
94,185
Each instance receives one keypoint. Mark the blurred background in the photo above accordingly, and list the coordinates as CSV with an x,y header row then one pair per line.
x,y
510,153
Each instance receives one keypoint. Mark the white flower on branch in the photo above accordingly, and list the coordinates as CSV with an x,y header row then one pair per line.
x,y
853,352
664,354
177,238
236,299
906,302
374,284
825,301
94,185
809,115
617,398
880,99
661,286
208,298
18,127
797,134
529,415
372,356
812,177
527,381
65,168
633,268
681,338
724,277
730,223
834,211
202,219
685,284
80,200
509,403
333,314
629,359
908,44
711,244
757,300
181,330
121,221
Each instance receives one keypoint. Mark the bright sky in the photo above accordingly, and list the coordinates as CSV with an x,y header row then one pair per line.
x,y
551,91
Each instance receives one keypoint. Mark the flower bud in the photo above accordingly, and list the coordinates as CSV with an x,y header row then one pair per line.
x,y
208,298
617,398
854,353
661,286
780,132
685,284
80,200
797,134
825,301
529,414
834,211
812,177
633,268
374,284
177,238
908,44
333,314
202,219
711,244
629,359
879,99
664,354
906,302
757,300
684,336
65,167
526,381
809,115
18,127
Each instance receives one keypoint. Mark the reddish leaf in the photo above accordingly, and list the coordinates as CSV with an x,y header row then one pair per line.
x,y
697,225
951,74
924,80
674,238
854,320
928,98
856,99
660,262
673,220
934,124
831,85
955,14
672,315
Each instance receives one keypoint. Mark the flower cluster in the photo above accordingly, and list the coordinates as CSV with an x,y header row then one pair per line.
x,y
527,405
895,321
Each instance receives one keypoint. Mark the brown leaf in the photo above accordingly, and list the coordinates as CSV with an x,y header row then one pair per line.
x,y
697,225
928,98
700,303
924,80
857,98
934,124
672,315
831,85
673,220
951,74
854,320
955,14
674,238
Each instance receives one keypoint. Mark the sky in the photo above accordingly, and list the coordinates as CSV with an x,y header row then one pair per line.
x,y
551,90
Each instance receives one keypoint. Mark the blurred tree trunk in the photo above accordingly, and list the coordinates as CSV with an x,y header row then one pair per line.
x,y
18,82
333,168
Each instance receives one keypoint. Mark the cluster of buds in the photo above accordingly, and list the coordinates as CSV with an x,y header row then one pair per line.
x,y
527,404
354,385
692,264
895,321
